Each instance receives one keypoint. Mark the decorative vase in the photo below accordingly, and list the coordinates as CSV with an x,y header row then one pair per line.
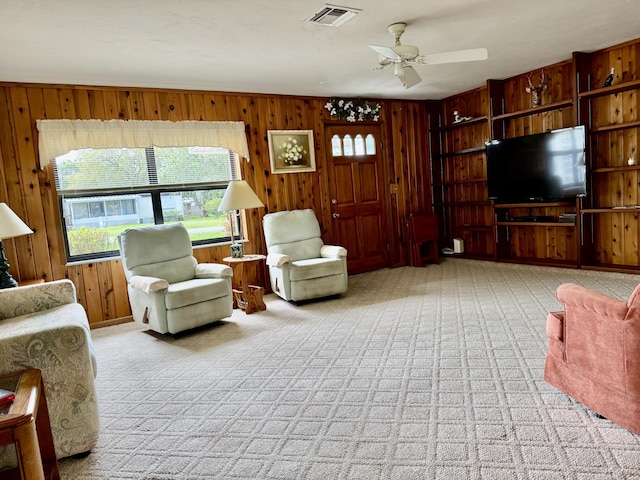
x,y
236,250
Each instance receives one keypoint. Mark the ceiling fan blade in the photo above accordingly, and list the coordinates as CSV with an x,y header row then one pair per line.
x,y
410,77
471,55
386,52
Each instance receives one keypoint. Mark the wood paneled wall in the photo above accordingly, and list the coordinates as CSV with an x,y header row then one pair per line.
x,y
101,286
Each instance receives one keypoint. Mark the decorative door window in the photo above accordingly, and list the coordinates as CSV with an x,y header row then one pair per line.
x,y
348,146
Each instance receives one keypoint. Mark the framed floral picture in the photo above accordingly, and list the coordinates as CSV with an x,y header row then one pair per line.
x,y
291,151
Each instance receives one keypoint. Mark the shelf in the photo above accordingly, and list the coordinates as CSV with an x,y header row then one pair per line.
x,y
614,169
534,110
470,255
459,182
479,228
452,126
615,127
464,204
466,151
534,205
613,89
611,210
537,224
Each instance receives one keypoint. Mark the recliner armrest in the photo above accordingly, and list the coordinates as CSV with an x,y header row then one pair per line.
x,y
328,251
35,298
213,270
278,259
148,284
582,297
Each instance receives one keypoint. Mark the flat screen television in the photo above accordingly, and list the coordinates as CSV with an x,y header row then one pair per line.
x,y
545,167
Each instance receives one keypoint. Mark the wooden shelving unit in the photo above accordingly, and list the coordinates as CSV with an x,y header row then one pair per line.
x,y
615,127
613,89
610,219
603,235
535,242
460,182
466,151
611,210
533,111
466,123
459,178
627,168
538,224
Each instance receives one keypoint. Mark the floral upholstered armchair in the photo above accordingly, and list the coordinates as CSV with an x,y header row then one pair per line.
x,y
43,326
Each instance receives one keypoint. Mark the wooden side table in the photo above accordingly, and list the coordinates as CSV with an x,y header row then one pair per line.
x,y
26,425
246,296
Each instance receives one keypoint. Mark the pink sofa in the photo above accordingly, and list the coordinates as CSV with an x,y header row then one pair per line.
x,y
594,352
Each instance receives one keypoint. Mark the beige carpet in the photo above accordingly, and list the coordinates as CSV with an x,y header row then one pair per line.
x,y
417,373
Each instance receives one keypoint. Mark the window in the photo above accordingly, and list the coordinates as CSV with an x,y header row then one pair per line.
x,y
359,145
336,146
348,145
363,146
103,191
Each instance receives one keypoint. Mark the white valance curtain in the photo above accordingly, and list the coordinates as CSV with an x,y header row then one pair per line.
x,y
57,137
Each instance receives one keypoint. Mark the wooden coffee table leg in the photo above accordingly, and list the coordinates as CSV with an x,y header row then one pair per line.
x,y
45,438
28,450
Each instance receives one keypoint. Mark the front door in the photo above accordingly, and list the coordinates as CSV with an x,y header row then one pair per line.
x,y
356,186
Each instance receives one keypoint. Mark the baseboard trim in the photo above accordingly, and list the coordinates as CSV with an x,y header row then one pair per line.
x,y
109,323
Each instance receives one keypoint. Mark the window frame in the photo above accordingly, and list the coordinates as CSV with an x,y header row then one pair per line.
x,y
155,191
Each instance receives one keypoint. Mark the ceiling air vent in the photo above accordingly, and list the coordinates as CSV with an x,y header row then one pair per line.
x,y
333,15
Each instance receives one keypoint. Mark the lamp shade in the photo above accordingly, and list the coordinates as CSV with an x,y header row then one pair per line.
x,y
239,196
10,224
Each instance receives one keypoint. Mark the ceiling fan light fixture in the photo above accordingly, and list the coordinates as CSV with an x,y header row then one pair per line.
x,y
398,69
333,15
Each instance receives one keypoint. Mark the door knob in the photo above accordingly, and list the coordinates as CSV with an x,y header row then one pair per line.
x,y
335,215
334,201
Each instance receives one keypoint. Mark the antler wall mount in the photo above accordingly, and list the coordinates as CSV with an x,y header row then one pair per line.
x,y
536,91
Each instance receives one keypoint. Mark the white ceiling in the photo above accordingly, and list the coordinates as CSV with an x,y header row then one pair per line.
x,y
265,46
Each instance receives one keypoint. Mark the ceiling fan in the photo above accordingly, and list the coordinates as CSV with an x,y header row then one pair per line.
x,y
402,57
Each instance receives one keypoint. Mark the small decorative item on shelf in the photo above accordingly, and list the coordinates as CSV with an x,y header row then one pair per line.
x,y
567,217
457,118
609,80
536,91
353,110
631,161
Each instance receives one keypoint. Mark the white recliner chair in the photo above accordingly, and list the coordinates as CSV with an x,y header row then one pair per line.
x,y
168,289
301,266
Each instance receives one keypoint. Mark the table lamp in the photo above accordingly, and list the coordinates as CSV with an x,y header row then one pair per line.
x,y
10,226
238,197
